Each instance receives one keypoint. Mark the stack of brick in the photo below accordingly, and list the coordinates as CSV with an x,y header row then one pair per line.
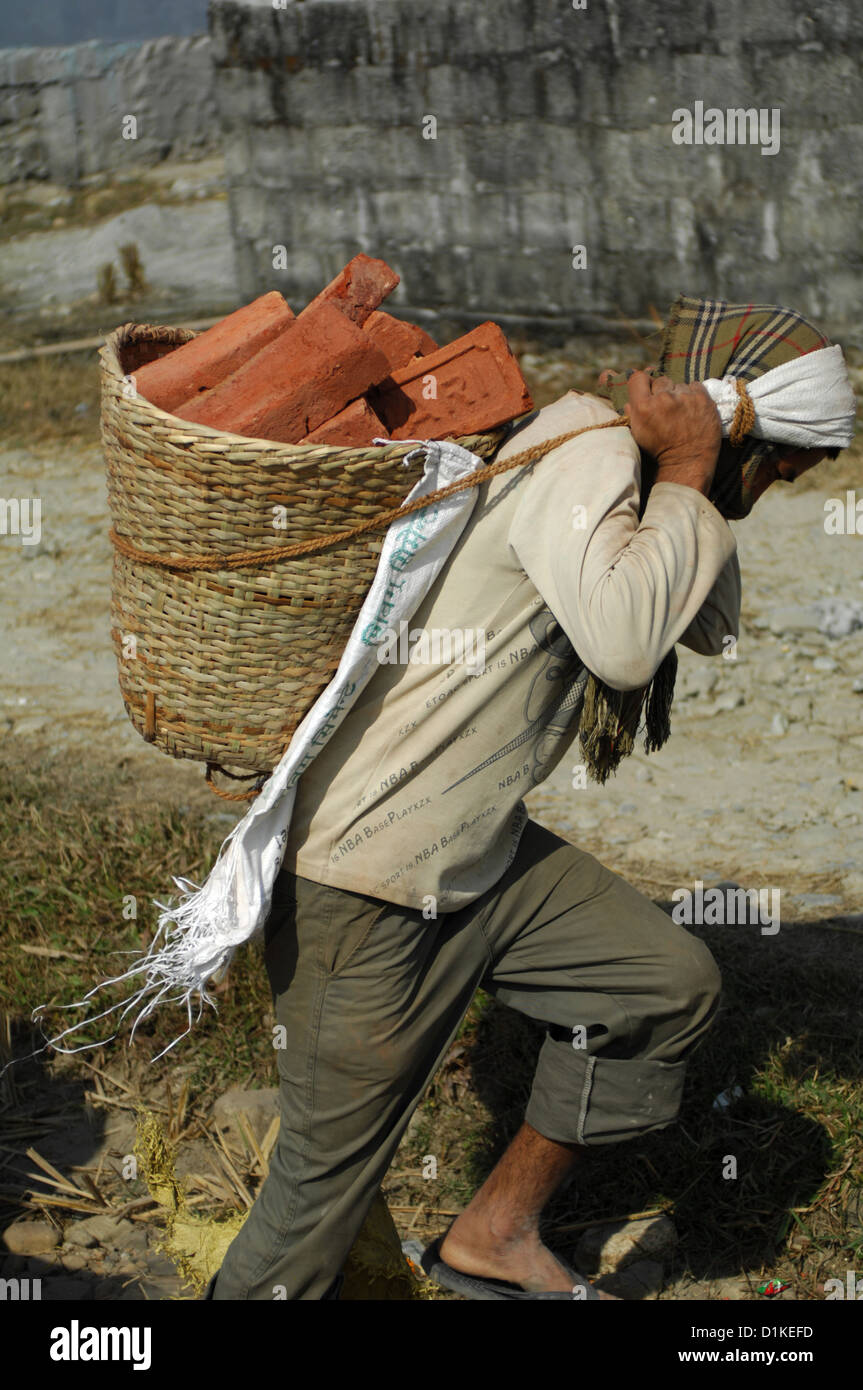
x,y
343,372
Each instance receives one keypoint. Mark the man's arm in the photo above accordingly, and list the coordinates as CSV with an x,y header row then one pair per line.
x,y
719,615
682,432
624,591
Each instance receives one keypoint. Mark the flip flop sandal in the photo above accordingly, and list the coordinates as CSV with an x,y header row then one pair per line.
x,y
470,1286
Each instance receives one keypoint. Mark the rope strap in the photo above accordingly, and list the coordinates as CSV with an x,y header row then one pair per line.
x,y
744,415
256,559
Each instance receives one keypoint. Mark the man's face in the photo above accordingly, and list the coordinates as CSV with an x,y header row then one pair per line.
x,y
786,464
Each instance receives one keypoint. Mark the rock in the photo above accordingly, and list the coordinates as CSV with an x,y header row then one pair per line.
x,y
799,708
779,724
30,1238
135,1241
857,685
698,680
260,1107
161,1268
825,663
72,1261
808,900
642,1280
792,618
838,617
610,1248
776,672
98,1230
732,699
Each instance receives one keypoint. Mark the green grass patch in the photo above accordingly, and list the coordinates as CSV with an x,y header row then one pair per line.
x,y
73,862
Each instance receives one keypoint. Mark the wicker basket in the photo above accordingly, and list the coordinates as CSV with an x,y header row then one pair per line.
x,y
226,662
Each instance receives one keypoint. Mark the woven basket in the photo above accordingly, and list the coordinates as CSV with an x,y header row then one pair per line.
x,y
226,662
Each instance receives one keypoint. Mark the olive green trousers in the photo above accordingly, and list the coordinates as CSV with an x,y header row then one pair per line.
x,y
369,996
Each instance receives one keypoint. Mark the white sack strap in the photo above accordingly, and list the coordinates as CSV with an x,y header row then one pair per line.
x,y
807,402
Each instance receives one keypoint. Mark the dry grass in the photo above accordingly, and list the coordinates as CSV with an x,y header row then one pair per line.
x,y
788,1034
50,400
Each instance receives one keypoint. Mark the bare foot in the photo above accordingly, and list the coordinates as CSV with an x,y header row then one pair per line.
x,y
521,1259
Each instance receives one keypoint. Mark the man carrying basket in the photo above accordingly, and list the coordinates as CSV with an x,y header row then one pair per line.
x,y
412,873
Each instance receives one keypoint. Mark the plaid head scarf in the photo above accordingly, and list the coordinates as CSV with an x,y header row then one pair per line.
x,y
703,338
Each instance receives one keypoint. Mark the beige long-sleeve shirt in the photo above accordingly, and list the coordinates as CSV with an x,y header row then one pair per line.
x,y
417,798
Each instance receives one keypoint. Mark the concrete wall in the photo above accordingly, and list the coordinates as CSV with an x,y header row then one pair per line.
x,y
554,129
62,109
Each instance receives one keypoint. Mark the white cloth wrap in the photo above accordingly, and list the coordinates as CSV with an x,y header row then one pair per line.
x,y
201,933
807,402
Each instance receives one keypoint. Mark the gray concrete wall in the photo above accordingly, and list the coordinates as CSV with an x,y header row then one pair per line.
x,y
554,129
62,109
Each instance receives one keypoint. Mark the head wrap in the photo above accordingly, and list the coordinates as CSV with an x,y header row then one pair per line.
x,y
800,403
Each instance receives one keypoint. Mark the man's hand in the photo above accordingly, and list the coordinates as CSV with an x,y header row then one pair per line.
x,y
678,425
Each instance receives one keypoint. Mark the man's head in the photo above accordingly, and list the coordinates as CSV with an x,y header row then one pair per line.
x,y
787,464
712,339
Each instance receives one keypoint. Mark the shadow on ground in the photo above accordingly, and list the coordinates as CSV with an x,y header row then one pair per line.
x,y
787,1035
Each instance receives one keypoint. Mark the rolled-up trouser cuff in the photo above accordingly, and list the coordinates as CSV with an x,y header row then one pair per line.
x,y
580,1099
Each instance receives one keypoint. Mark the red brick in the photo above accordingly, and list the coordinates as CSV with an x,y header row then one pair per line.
x,y
207,359
398,339
299,381
355,425
478,383
358,289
